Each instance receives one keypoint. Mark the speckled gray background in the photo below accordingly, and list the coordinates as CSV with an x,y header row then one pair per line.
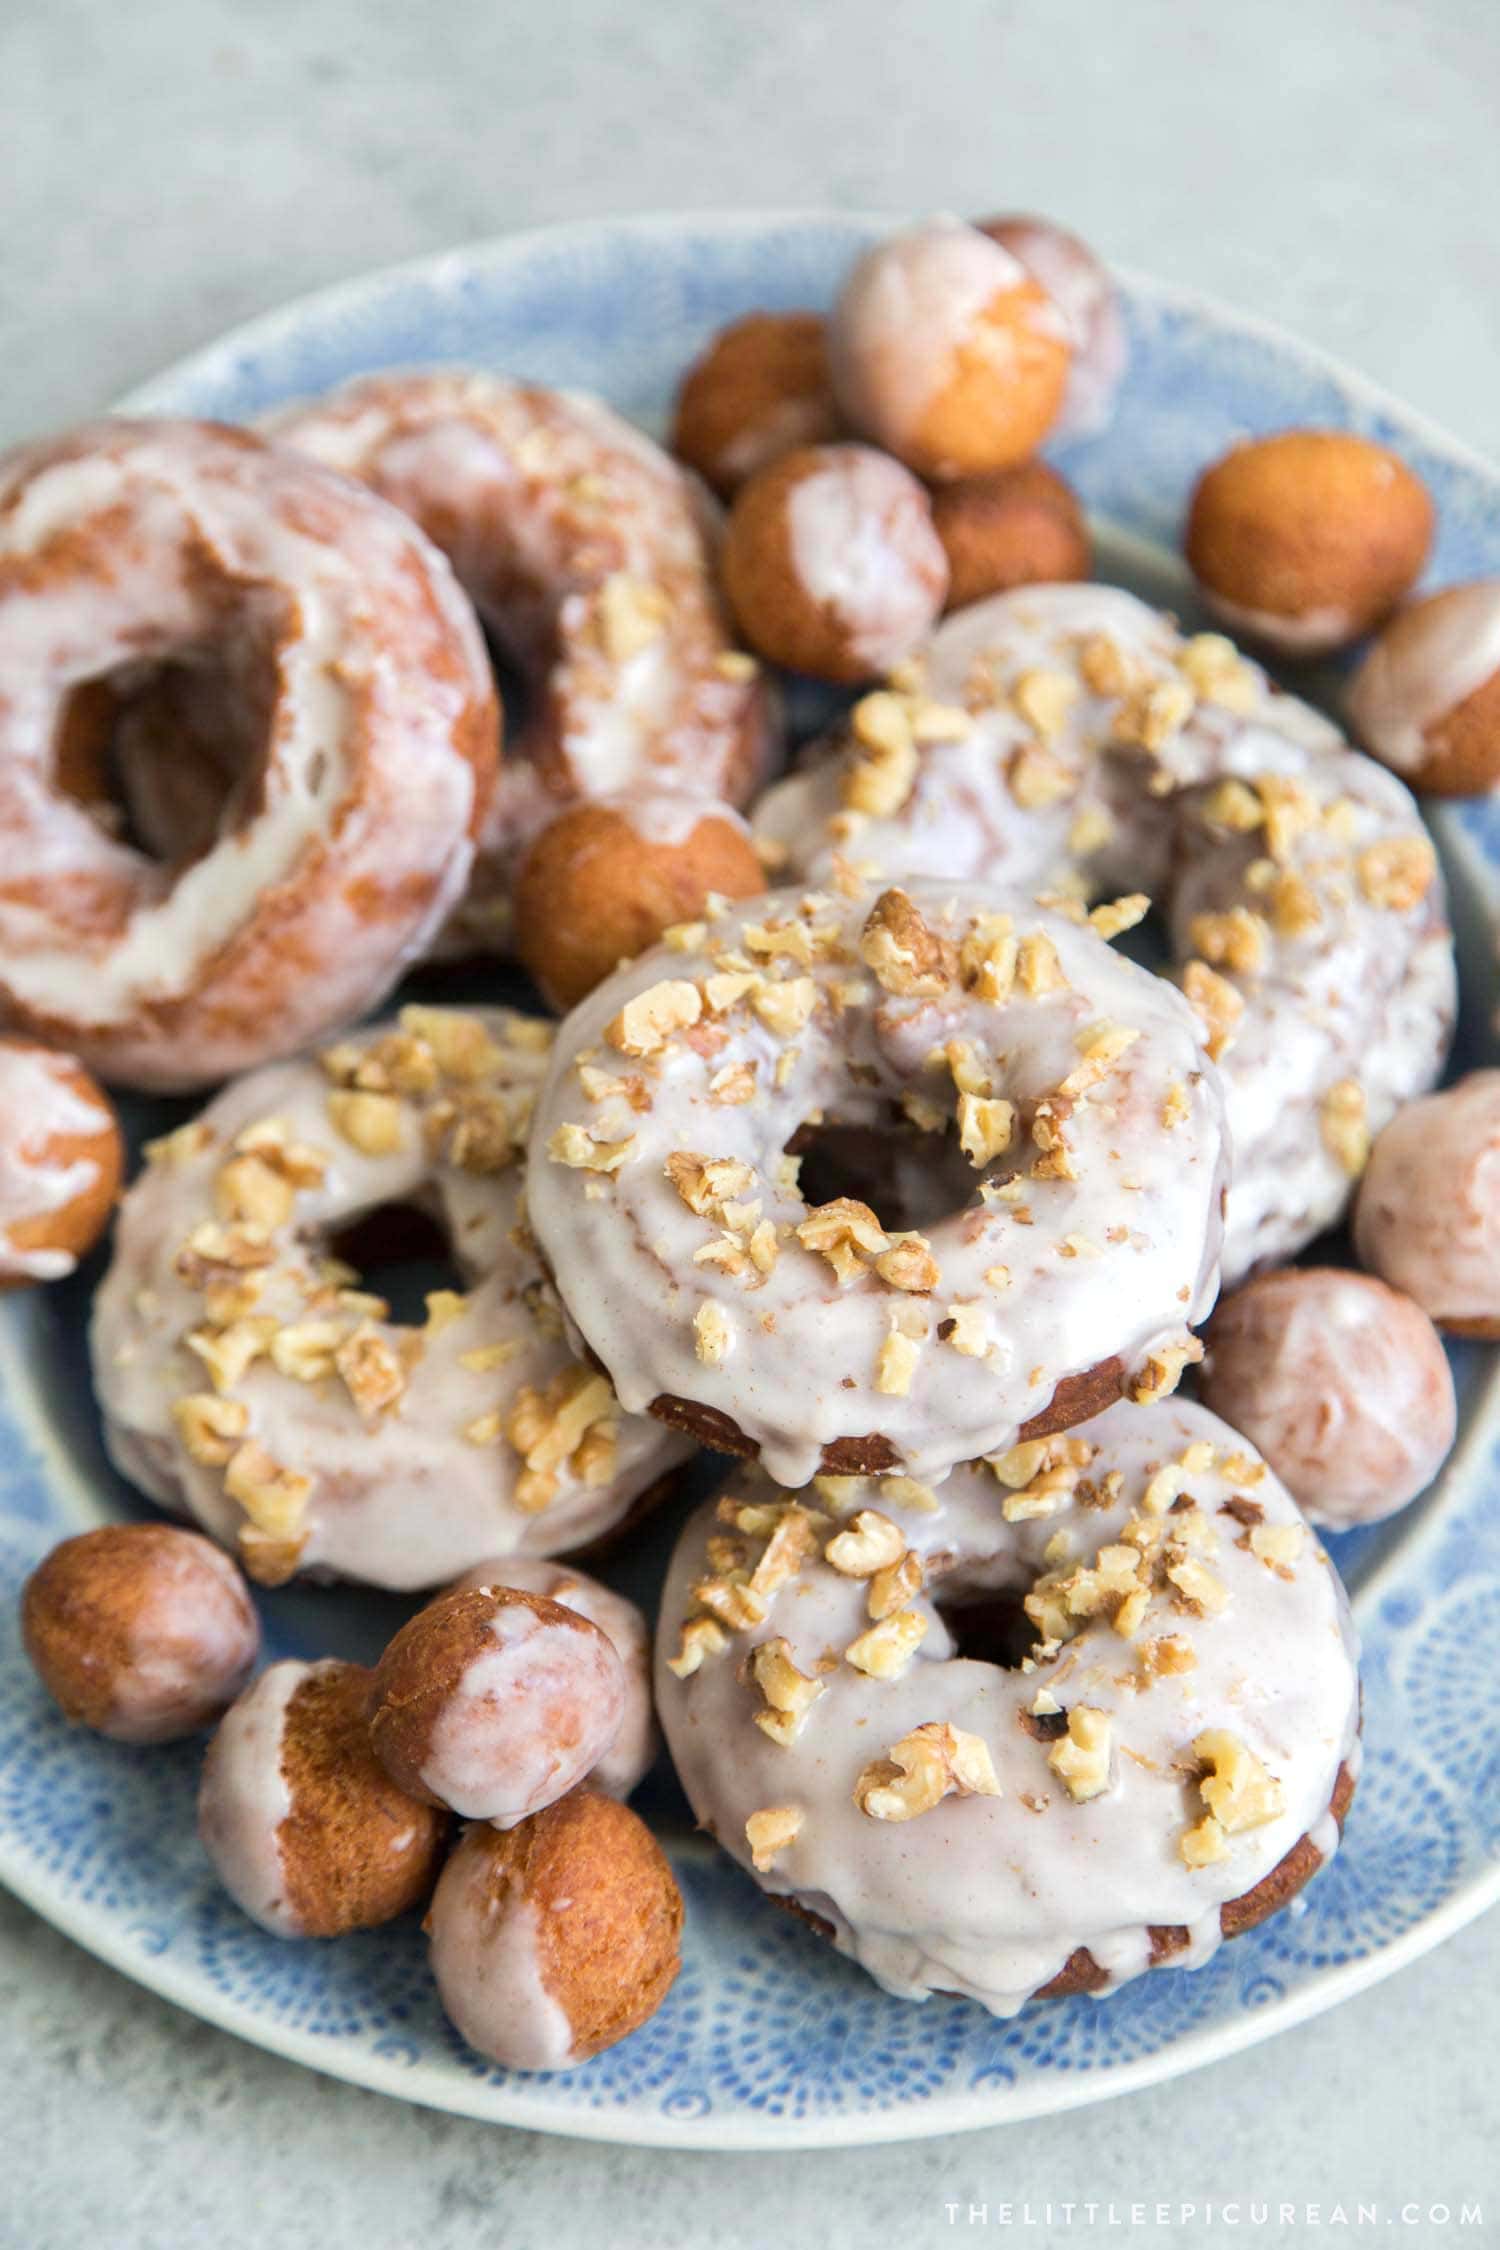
x,y
170,166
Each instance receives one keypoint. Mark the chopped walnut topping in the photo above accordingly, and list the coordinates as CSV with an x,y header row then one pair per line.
x,y
173,1150
228,1352
1344,1120
896,1364
895,1586
964,1327
645,1024
1163,1371
1037,779
1161,1658
249,1189
1277,1545
871,1542
793,1540
460,1044
1288,812
1099,1049
1398,873
1233,805
1153,715
845,1232
736,664
210,1427
986,1127
1293,903
1215,1003
733,1086
987,957
1044,699
548,1427
373,1371
908,958
372,1123
1236,1787
789,1692
1202,1845
1237,940
909,1264
478,1131
583,1151
274,1498
304,1349
1217,673
1038,966
769,1832
879,774
701,1637
785,1008
932,1762
884,1652
632,613
1091,830
1197,1587
1176,1106
712,1335
730,1597
1081,1759
706,1183
1115,916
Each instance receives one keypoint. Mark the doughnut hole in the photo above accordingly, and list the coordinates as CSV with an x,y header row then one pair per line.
x,y
1080,285
832,564
1426,698
139,1631
558,1938
400,1252
1306,539
604,879
1427,1217
908,1178
759,389
63,1130
495,1702
945,350
1014,527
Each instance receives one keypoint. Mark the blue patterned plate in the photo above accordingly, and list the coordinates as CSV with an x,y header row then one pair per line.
x,y
768,2039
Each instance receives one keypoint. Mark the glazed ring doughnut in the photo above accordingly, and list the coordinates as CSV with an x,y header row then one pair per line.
x,y
60,1162
1068,737
344,843
1056,1114
840,1681
247,1380
586,550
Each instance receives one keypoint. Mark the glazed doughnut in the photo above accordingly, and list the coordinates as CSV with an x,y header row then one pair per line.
x,y
347,835
1079,285
758,389
1428,1215
1014,527
557,1939
495,1702
1426,699
630,1756
1074,1155
306,1829
141,1631
840,1683
605,878
944,350
1341,1382
60,1163
246,1379
832,564
587,552
1069,737
1306,539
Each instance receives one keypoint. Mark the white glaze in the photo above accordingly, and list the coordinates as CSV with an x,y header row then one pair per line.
x,y
1428,1215
1312,632
245,1799
1080,286
40,1104
485,1956
363,736
984,1895
864,552
1431,657
405,1501
801,1370
1369,993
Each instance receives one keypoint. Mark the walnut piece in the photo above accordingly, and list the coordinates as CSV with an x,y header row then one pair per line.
x,y
934,1761
1081,1759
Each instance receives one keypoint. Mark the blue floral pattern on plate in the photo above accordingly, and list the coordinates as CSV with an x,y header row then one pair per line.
x,y
769,2039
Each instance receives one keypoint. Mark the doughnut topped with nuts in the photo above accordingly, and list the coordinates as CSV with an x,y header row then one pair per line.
x,y
1070,1134
248,1379
1167,1763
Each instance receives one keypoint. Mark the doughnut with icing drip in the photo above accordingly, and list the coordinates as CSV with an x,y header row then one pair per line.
x,y
1070,737
1171,1763
246,1379
345,834
1059,1104
1428,1215
1426,699
60,1162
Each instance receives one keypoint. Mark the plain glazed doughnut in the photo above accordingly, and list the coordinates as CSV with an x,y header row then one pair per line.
x,y
495,1702
758,389
631,1754
606,878
588,553
247,1379
556,1939
1343,1385
840,1683
1068,738
1426,699
140,1631
346,835
1080,286
60,1163
1064,1117
1428,1215
307,1831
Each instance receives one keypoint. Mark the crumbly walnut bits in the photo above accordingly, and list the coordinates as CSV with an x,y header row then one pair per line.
x,y
934,1761
570,1425
770,1832
1236,1789
910,960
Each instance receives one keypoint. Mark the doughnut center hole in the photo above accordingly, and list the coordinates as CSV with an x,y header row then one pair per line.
x,y
989,1628
517,703
909,1179
400,1252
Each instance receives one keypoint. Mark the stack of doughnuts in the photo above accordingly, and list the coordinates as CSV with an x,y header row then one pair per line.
x,y
972,1135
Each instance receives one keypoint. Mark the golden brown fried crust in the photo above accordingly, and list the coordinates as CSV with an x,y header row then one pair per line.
x,y
1461,751
79,1609
77,1226
594,891
345,1865
1014,527
758,389
1310,520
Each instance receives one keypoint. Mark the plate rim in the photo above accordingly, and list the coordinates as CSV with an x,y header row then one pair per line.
x,y
519,2102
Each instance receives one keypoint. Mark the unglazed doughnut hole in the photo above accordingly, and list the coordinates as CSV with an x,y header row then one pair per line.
x,y
306,1829
945,350
1428,1215
1014,527
831,562
1426,699
759,389
559,1938
140,1631
60,1163
495,1702
1080,286
633,1750
1341,1382
1306,539
603,880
